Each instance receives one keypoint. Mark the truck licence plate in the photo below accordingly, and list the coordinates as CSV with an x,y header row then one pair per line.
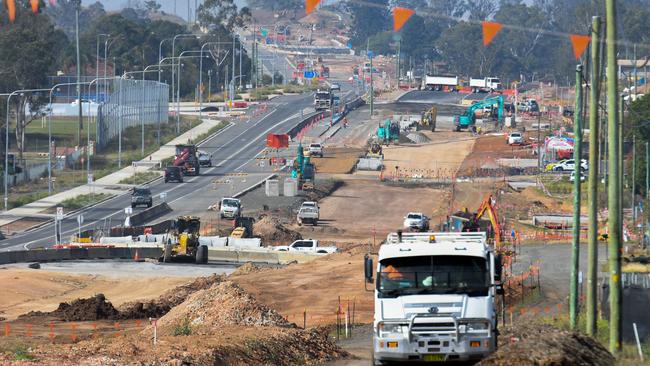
x,y
434,358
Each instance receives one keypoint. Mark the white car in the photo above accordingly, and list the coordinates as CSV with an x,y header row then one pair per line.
x,y
570,165
515,138
306,245
572,177
316,149
230,208
416,221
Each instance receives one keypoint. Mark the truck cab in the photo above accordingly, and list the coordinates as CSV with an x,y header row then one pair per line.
x,y
434,298
230,208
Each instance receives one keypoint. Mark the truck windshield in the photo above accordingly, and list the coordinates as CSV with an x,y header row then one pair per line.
x,y
230,203
322,95
433,275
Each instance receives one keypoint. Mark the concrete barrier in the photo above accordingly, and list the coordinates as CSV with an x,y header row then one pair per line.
x,y
149,214
52,255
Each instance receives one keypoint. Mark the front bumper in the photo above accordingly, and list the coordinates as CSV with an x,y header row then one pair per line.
x,y
229,214
431,347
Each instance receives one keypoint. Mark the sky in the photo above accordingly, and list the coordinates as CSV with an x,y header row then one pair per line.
x,y
167,5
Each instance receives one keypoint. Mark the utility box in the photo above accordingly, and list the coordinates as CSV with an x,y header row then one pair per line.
x,y
272,188
290,187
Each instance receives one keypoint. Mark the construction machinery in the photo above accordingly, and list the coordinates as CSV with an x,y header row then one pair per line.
x,y
429,117
388,132
323,99
303,169
487,206
375,150
468,119
187,158
183,241
243,227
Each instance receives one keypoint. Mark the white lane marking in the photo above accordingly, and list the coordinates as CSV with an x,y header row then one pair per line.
x,y
236,137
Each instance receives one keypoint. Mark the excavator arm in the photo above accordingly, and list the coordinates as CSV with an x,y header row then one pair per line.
x,y
486,206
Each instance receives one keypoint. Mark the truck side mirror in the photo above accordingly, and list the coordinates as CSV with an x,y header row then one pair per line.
x,y
498,267
368,268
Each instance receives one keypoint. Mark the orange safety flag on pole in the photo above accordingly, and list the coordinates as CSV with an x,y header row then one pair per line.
x,y
580,44
11,9
310,5
400,17
34,4
490,30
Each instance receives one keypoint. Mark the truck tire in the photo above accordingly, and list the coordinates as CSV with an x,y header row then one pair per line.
x,y
167,256
202,255
315,223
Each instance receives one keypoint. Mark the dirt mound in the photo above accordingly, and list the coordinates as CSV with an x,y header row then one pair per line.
x,y
273,232
223,304
93,308
544,345
165,302
247,268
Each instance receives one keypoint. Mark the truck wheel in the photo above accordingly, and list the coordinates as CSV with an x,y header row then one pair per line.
x,y
458,128
201,255
167,256
315,223
133,206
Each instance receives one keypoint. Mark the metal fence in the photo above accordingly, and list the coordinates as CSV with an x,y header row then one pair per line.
x,y
131,103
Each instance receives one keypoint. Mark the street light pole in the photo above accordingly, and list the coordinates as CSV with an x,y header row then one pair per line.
x,y
77,10
160,52
182,35
97,63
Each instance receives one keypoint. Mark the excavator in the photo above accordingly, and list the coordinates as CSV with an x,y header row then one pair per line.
x,y
468,119
486,207
429,118
183,241
375,150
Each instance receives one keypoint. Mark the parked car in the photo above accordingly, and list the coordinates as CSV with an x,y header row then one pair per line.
x,y
572,177
316,149
569,165
205,159
141,196
173,174
515,138
306,245
416,221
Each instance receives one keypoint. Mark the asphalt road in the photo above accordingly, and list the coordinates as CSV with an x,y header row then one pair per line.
x,y
439,97
233,149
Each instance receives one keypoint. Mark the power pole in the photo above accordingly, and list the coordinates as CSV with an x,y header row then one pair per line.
x,y
633,181
81,123
372,97
613,188
592,250
577,155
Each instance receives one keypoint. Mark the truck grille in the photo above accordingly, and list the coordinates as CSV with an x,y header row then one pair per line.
x,y
433,327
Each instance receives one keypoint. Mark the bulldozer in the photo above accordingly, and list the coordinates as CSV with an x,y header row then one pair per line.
x,y
183,241
429,118
243,227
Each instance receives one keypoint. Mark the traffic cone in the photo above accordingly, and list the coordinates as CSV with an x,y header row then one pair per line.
x,y
136,257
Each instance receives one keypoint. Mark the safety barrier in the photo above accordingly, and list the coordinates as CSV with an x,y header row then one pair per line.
x,y
49,255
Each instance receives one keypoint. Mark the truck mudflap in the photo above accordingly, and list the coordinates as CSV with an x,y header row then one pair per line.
x,y
444,338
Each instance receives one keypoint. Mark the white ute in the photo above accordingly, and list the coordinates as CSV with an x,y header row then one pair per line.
x,y
309,213
306,245
434,297
416,221
316,149
230,208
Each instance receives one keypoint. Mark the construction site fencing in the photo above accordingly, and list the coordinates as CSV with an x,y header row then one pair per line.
x,y
131,103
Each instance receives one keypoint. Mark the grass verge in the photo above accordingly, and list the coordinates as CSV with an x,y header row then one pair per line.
x,y
81,201
140,178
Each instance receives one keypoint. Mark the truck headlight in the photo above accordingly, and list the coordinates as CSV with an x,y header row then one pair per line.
x,y
387,329
477,326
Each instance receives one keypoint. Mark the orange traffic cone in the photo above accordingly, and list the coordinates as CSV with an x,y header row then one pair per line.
x,y
136,257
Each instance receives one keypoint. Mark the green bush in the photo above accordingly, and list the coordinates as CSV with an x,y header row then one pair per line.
x,y
183,328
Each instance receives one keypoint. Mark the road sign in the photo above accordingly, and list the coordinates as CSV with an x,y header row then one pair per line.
x,y
309,75
80,219
90,178
370,54
59,213
128,210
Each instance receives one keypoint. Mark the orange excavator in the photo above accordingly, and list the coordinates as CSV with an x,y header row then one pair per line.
x,y
487,207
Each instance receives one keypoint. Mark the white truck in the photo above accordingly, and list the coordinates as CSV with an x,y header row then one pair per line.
x,y
322,100
434,297
306,245
438,83
487,85
309,213
230,208
316,149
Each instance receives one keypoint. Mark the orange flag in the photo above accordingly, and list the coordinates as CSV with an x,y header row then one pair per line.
x,y
490,30
11,9
34,4
580,44
310,5
400,17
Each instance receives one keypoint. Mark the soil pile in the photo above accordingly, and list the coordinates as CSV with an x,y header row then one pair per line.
x,y
273,232
93,308
544,345
248,267
165,302
223,304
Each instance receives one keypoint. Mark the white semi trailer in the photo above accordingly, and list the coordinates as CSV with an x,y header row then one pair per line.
x,y
439,83
434,298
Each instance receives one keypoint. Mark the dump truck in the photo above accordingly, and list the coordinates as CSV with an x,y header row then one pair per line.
x,y
183,241
435,297
439,83
489,84
187,158
322,100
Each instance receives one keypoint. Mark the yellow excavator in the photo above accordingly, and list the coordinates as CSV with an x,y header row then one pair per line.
x,y
183,241
429,118
375,150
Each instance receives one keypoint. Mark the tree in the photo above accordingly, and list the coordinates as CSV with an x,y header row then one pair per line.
x,y
223,13
63,15
30,50
152,6
368,19
461,47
